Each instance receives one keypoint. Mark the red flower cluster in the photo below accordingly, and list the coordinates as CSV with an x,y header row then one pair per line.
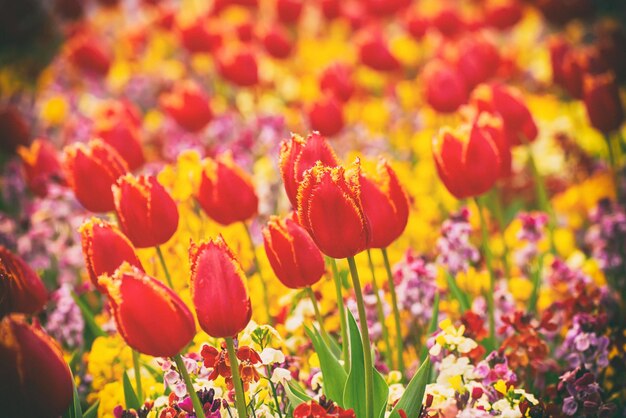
x,y
312,409
220,363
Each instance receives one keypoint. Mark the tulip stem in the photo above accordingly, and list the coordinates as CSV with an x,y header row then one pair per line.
x,y
240,396
257,266
396,312
365,340
137,375
492,276
318,314
164,265
197,406
342,315
381,313
614,152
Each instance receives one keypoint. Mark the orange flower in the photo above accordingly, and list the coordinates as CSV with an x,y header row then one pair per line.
x,y
467,159
226,192
105,248
218,289
91,169
21,290
188,105
150,317
298,155
603,103
41,166
445,88
326,116
329,208
147,213
34,379
295,259
385,205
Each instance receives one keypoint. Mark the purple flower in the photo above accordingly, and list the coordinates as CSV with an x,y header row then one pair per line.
x,y
456,252
416,287
532,231
65,322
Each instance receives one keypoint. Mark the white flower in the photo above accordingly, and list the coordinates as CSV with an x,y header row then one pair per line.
x,y
280,375
271,356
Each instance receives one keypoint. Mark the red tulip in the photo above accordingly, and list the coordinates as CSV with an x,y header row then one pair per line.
x,y
445,88
14,129
246,31
337,80
602,101
150,317
277,43
188,105
298,155
467,159
147,213
295,259
289,11
21,289
477,60
375,53
503,14
448,21
559,49
91,169
379,8
329,208
226,192
385,205
218,289
118,124
35,381
417,25
199,36
89,54
41,166
105,248
331,9
239,67
577,63
326,116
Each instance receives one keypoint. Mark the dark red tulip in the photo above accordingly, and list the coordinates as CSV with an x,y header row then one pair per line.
x,y
87,52
603,103
41,166
14,129
559,49
446,90
21,289
188,105
326,116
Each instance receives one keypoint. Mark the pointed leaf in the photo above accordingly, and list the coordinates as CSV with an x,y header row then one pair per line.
x,y
74,410
92,412
332,371
432,327
411,400
130,397
295,394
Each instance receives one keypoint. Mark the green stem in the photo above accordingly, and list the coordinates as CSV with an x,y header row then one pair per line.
x,y
137,376
499,214
269,378
257,266
240,396
492,277
381,314
342,314
365,340
197,406
396,312
165,269
614,152
318,314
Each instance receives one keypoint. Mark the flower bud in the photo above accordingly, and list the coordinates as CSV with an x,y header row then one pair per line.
x,y
226,192
147,213
91,169
105,248
445,88
298,155
150,317
218,289
41,166
602,101
277,43
35,381
326,116
188,105
21,289
375,54
295,259
329,208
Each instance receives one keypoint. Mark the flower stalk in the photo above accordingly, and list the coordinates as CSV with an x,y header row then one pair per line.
x,y
381,314
240,396
164,265
195,401
137,375
492,277
318,314
342,314
396,312
257,267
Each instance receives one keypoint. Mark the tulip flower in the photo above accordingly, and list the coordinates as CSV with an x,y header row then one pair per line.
x,y
200,36
41,166
188,105
14,129
239,67
602,101
218,289
448,20
105,248
559,49
146,212
21,289
289,11
326,116
89,54
91,169
277,43
298,155
467,158
503,14
150,317
337,80
329,208
118,124
375,54
226,192
445,87
477,60
35,381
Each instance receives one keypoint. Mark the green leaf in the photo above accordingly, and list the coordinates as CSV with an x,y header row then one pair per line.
x,y
88,316
432,327
332,371
74,410
295,393
456,291
92,411
130,397
411,400
354,392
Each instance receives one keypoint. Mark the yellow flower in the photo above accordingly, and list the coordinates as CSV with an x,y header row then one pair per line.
x,y
501,387
473,282
520,288
457,383
54,110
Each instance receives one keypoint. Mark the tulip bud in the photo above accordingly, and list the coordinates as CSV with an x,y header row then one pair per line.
x,y
326,116
467,159
295,259
239,67
88,53
375,53
218,289
91,169
445,88
35,381
147,213
337,80
602,101
289,11
329,208
105,248
298,155
226,192
21,289
199,36
41,166
188,105
277,43
416,25
150,317
117,124
559,49
385,205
